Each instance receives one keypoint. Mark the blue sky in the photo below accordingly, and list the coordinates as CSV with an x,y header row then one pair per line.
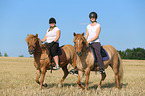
x,y
122,22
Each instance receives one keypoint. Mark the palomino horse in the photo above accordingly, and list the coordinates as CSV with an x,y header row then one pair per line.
x,y
42,60
85,62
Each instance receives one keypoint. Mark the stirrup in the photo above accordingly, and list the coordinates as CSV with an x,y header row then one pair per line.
x,y
73,72
56,68
102,71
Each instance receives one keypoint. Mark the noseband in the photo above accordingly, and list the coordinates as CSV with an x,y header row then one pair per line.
x,y
82,49
33,46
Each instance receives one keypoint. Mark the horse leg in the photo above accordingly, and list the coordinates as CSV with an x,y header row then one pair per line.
x,y
37,76
80,74
102,79
117,80
115,67
43,72
87,78
65,70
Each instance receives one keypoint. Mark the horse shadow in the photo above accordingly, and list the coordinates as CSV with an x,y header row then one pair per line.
x,y
52,85
95,86
109,85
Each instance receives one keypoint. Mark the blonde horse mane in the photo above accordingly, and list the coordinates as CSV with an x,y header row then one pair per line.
x,y
82,37
31,36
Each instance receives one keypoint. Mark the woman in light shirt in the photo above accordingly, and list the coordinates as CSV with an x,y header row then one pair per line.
x,y
92,36
52,38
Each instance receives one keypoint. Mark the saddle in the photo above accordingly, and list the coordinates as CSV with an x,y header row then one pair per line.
x,y
104,54
61,54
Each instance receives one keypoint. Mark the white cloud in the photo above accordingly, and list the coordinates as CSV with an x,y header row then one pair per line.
x,y
84,23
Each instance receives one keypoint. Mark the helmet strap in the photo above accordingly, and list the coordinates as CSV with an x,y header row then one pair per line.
x,y
53,26
93,21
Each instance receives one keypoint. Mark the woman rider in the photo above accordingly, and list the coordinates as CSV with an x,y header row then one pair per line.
x,y
92,36
52,38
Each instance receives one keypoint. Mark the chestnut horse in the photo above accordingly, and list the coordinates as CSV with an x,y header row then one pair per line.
x,y
85,62
42,60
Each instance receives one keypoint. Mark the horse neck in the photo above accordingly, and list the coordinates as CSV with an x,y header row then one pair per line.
x,y
37,52
86,50
86,46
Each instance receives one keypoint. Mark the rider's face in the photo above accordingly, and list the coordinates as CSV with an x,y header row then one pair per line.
x,y
93,19
52,24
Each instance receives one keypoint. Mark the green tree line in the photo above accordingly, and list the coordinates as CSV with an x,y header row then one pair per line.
x,y
135,53
5,54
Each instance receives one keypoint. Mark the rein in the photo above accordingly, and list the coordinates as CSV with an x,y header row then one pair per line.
x,y
85,49
44,58
49,56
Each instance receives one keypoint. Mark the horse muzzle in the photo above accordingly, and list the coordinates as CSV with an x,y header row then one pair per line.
x,y
31,51
79,53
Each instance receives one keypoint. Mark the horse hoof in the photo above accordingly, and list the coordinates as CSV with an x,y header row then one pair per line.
x,y
45,85
59,85
98,89
83,87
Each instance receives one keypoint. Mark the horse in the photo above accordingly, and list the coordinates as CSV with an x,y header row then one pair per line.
x,y
85,62
42,60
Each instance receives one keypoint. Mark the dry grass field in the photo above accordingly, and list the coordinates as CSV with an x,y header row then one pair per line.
x,y
17,78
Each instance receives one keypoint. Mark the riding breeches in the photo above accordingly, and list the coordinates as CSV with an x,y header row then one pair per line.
x,y
53,48
97,48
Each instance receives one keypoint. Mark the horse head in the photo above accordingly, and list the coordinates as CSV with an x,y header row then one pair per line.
x,y
80,43
33,41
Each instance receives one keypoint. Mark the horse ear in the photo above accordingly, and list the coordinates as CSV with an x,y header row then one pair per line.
x,y
74,34
36,35
83,34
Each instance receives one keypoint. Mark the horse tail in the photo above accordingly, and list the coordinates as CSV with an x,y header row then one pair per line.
x,y
120,67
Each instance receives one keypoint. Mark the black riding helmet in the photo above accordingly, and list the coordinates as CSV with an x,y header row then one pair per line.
x,y
93,15
52,20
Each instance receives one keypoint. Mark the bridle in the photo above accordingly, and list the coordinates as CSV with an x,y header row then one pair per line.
x,y
82,49
33,45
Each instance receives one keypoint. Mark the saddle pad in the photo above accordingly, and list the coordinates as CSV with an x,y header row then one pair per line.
x,y
103,58
62,55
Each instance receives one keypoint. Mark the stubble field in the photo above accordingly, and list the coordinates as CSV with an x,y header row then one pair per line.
x,y
17,78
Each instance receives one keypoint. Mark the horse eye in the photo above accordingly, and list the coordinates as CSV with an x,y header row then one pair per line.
x,y
35,39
